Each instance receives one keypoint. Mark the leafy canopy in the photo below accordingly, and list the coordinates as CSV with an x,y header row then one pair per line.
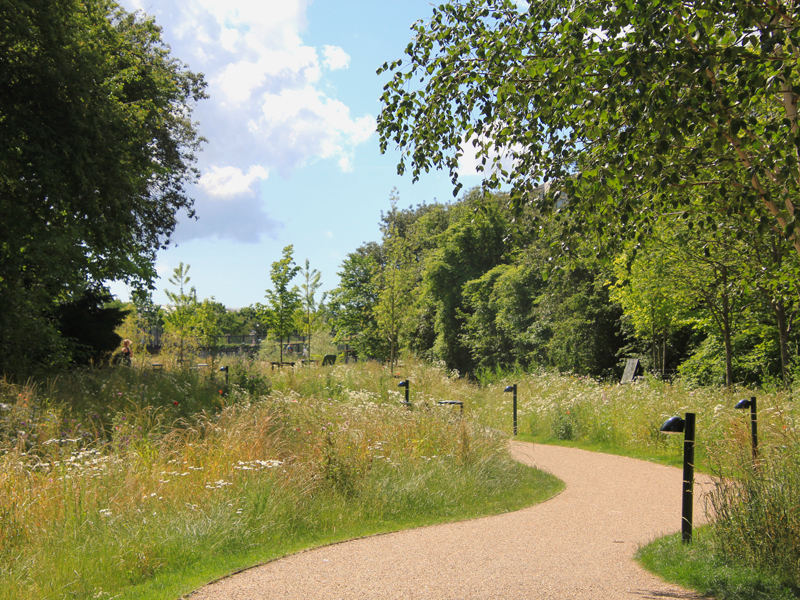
x,y
623,106
98,146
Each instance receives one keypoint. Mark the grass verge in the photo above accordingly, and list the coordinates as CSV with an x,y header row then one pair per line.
x,y
339,520
698,567
670,459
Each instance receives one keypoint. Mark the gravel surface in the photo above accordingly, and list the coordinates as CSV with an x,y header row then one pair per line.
x,y
578,545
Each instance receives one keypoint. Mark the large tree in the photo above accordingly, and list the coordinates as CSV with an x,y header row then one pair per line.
x,y
623,106
472,245
97,147
656,299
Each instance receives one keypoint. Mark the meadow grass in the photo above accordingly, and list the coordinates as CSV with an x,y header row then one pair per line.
x,y
109,489
754,506
754,542
134,483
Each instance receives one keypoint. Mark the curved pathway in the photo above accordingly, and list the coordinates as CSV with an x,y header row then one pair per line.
x,y
578,545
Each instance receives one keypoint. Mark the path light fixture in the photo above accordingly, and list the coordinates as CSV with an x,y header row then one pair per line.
x,y
225,370
751,404
458,403
405,384
675,425
513,388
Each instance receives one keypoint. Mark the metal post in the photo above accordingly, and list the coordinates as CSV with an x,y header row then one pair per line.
x,y
515,409
513,388
406,384
688,478
754,427
751,404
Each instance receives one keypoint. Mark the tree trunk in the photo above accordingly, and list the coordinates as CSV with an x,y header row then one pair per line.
x,y
726,329
655,340
783,330
728,358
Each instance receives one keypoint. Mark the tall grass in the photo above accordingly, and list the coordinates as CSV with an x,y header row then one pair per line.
x,y
110,489
755,504
135,483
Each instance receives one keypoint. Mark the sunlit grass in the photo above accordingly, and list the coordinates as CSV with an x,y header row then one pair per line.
x,y
754,505
701,567
110,489
143,483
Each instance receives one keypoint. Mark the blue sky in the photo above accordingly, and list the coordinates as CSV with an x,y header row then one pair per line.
x,y
292,154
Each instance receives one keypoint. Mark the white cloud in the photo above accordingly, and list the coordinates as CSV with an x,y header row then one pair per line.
x,y
231,181
304,124
270,106
335,58
229,38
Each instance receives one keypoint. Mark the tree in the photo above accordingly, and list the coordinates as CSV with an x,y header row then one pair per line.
x,y
207,326
622,107
251,321
681,277
353,302
714,272
87,323
472,244
284,302
653,296
490,345
98,145
147,316
578,325
767,260
180,317
395,282
311,308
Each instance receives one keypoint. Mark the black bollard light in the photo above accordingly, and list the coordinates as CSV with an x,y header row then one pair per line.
x,y
513,388
751,404
686,426
225,369
405,384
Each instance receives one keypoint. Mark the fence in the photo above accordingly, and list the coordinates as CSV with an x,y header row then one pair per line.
x,y
229,344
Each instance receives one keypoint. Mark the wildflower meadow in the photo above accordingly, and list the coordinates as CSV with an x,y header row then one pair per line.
x,y
135,483
144,483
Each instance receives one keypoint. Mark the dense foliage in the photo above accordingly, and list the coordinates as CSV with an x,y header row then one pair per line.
x,y
486,287
631,108
476,296
659,136
98,144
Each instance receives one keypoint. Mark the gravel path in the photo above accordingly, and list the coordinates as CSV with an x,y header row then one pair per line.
x,y
578,545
